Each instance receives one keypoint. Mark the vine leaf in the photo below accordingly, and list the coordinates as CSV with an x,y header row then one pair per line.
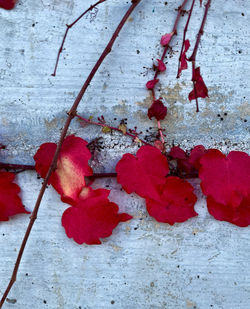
x,y
157,110
151,83
188,163
92,217
161,65
10,202
166,38
183,58
176,204
226,183
168,199
7,4
72,166
200,89
142,173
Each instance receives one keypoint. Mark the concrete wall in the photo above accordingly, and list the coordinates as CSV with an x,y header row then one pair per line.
x,y
202,263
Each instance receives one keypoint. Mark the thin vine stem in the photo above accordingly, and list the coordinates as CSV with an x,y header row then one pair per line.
x,y
133,136
174,32
23,167
184,35
192,58
67,30
70,117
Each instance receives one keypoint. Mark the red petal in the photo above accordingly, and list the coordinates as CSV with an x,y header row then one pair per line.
x,y
161,65
166,38
10,202
151,83
176,204
157,110
143,172
7,4
92,219
225,179
72,166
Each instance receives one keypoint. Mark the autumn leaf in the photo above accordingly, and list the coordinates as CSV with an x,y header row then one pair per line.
x,y
10,202
200,89
92,217
187,163
161,65
176,202
72,166
151,83
166,38
226,182
157,110
183,59
143,172
7,4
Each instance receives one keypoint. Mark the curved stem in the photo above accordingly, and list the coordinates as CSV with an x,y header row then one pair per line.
x,y
67,30
71,115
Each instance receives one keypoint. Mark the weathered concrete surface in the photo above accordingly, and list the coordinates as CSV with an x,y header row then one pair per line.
x,y
202,263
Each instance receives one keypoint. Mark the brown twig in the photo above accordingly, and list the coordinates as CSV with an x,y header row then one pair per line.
x,y
173,172
67,30
198,39
71,115
104,125
16,167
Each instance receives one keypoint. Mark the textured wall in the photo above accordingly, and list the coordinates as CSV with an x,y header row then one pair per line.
x,y
202,263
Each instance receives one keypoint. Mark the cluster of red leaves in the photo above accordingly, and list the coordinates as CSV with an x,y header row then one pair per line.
x,y
7,4
187,163
91,215
157,109
200,89
225,181
168,199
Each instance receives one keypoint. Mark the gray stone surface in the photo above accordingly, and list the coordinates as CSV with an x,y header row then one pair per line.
x,y
201,263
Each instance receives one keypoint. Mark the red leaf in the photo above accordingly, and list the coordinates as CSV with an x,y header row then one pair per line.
x,y
196,153
143,172
94,217
157,110
72,165
183,60
188,163
176,202
7,4
239,216
200,90
161,65
225,180
159,145
151,83
166,38
177,153
10,202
